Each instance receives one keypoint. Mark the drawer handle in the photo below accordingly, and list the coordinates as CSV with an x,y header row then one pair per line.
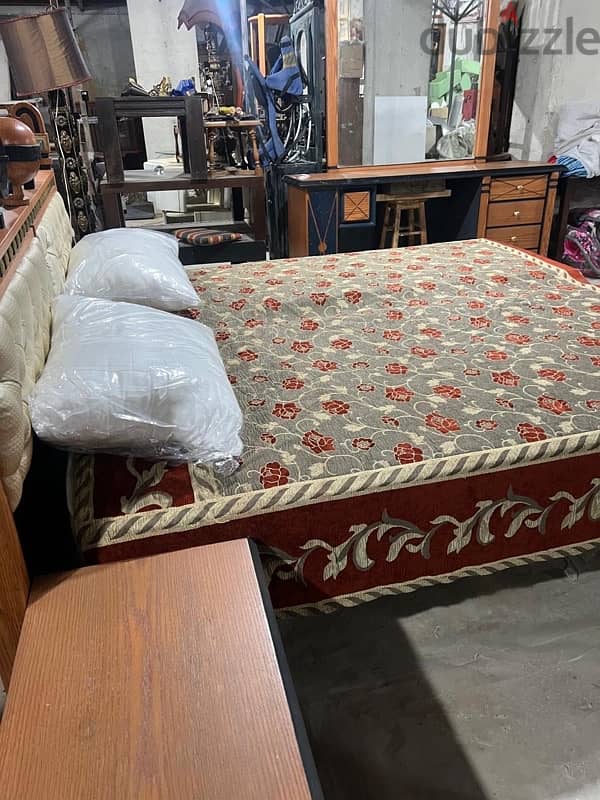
x,y
514,238
516,213
520,187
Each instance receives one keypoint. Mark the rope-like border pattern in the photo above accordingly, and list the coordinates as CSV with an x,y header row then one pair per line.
x,y
28,223
358,598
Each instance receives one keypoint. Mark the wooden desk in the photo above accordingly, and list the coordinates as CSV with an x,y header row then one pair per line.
x,y
146,181
508,201
153,679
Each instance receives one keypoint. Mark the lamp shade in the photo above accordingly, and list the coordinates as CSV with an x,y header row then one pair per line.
x,y
43,53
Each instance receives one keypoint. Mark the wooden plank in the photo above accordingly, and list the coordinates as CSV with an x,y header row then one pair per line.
x,y
152,678
108,134
487,78
483,207
331,81
297,222
14,588
195,139
549,213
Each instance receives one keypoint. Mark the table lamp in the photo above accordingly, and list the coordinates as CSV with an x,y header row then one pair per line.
x,y
44,56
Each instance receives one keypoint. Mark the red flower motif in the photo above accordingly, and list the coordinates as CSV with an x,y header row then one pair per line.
x,y
588,341
399,393
476,304
491,293
593,404
336,408
468,279
341,344
563,311
256,402
286,410
222,336
309,325
293,384
253,323
274,474
405,453
417,302
552,375
530,432
268,438
353,297
260,379
232,379
500,401
441,424
433,333
506,378
517,319
472,373
396,369
324,366
538,274
363,444
429,286
496,355
318,442
553,405
552,296
449,392
247,355
393,336
360,365
365,387
395,315
517,338
237,305
319,298
486,424
190,313
323,284
247,290
274,282
423,352
391,421
272,304
278,340
396,288
595,308
499,279
595,360
569,357
302,347
480,322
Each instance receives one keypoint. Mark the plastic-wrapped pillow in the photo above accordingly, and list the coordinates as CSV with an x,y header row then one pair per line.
x,y
129,380
133,266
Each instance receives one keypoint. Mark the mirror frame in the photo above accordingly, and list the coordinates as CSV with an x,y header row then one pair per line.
x,y
484,103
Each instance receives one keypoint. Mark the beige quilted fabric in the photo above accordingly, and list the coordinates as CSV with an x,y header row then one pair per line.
x,y
25,317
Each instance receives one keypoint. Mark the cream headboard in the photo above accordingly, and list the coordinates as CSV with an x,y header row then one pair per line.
x,y
27,291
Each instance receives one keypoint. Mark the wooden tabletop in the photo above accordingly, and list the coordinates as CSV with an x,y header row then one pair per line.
x,y
150,680
141,180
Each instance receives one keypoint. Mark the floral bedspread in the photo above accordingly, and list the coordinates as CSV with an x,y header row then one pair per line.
x,y
363,372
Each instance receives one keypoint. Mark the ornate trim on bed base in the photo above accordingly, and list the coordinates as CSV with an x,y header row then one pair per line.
x,y
358,598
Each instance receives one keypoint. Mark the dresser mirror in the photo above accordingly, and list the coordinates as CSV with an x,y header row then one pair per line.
x,y
409,79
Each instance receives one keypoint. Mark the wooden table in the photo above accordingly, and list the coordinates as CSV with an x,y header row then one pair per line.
x,y
160,678
146,181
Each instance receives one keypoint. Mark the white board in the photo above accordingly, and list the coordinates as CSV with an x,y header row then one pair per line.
x,y
400,130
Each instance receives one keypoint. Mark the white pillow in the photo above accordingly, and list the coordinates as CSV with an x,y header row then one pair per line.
x,y
134,266
125,379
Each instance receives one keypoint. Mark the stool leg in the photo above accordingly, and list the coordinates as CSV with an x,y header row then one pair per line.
x,y
384,230
423,223
397,222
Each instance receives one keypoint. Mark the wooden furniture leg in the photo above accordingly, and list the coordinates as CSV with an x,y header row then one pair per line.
x,y
397,223
386,222
259,212
113,210
423,223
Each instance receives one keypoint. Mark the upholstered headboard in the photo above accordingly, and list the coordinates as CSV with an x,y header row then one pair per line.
x,y
34,273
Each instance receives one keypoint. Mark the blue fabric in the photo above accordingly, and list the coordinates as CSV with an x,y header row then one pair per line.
x,y
574,166
272,148
285,75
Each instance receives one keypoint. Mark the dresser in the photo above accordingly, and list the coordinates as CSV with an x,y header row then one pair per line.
x,y
510,202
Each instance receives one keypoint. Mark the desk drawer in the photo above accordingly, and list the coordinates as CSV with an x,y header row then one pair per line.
x,y
518,188
525,236
517,212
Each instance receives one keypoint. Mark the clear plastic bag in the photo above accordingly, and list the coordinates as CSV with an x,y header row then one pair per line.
x,y
130,380
133,266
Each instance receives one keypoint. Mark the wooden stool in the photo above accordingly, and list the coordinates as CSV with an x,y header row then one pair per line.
x,y
412,206
415,228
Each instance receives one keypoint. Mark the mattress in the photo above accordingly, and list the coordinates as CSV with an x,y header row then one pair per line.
x,y
411,416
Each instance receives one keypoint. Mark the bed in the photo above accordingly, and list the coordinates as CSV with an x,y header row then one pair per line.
x,y
411,416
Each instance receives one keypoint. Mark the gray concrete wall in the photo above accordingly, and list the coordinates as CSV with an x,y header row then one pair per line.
x,y
395,62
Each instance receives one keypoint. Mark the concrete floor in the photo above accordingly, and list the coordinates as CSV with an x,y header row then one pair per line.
x,y
488,689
